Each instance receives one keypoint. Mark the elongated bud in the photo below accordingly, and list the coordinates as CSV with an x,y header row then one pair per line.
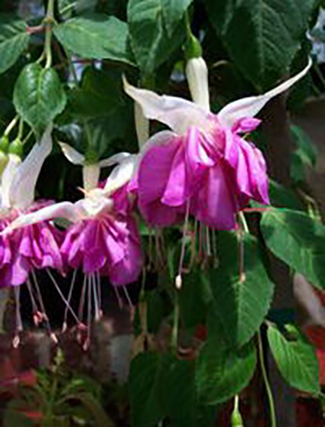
x,y
141,125
236,418
197,76
4,144
90,173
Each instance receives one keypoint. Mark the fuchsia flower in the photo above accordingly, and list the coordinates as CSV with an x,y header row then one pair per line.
x,y
103,238
203,166
36,246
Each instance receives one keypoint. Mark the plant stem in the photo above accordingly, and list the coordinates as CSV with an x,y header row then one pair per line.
x,y
266,380
11,125
48,22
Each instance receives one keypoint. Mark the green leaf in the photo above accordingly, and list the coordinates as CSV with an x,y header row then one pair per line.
x,y
150,41
173,12
13,42
98,96
96,36
262,37
305,154
39,96
145,379
241,301
297,240
194,297
178,396
221,373
296,360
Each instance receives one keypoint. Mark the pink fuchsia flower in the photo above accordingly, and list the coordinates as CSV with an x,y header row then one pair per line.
x,y
203,165
103,238
37,246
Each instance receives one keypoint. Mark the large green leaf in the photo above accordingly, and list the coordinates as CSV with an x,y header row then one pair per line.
x,y
39,96
296,360
13,42
145,380
305,154
297,240
96,36
98,96
150,40
241,302
221,373
261,36
195,295
173,11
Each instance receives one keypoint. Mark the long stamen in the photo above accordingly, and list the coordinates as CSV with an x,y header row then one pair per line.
x,y
82,299
89,307
36,316
99,293
19,323
44,315
127,296
94,289
65,318
118,297
68,306
178,281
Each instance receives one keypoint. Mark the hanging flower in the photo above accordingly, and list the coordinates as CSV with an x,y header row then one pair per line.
x,y
103,238
203,166
33,247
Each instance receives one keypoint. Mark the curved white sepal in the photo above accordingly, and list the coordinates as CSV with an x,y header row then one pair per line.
x,y
66,210
249,107
7,179
121,174
93,205
177,113
113,160
24,182
196,71
72,154
142,125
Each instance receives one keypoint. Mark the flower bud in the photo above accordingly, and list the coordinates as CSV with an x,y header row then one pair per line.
x,y
236,419
4,144
197,76
3,161
16,147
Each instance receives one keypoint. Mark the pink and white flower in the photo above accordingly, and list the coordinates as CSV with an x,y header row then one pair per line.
x,y
202,165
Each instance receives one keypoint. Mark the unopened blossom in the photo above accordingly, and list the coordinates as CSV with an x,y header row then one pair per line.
x,y
203,165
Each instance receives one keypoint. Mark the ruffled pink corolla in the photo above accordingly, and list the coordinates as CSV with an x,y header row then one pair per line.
x,y
35,246
203,166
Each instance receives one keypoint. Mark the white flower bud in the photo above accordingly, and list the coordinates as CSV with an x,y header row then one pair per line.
x,y
197,77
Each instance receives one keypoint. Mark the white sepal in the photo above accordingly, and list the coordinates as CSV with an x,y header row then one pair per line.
x,y
141,125
249,107
24,181
113,160
72,154
66,210
121,174
177,113
7,179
